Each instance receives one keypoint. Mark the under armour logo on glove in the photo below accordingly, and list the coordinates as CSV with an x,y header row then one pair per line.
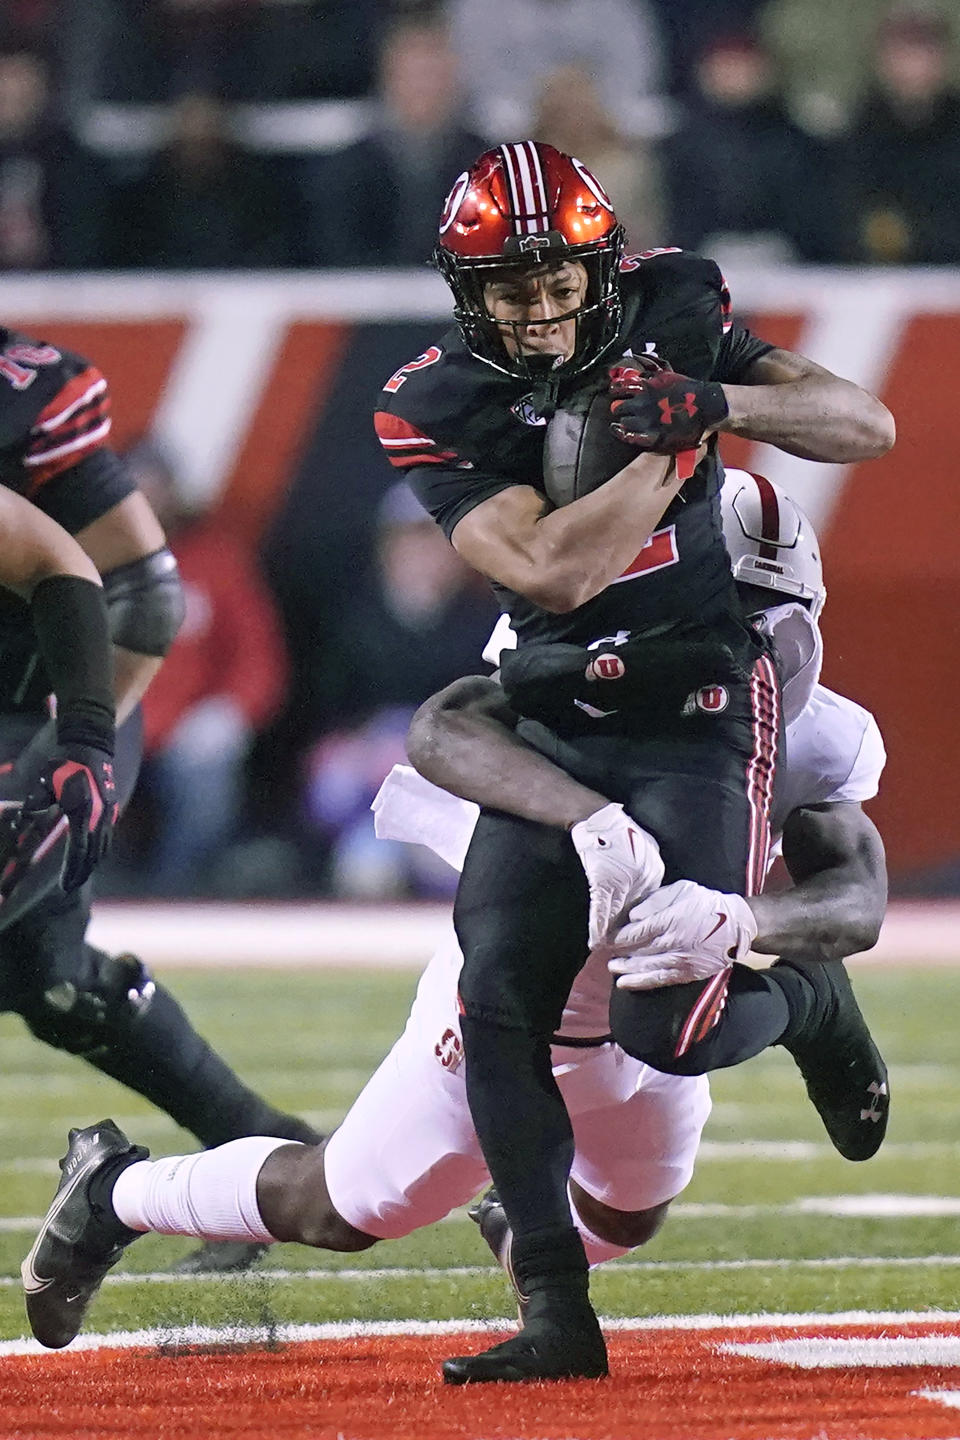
x,y
661,410
83,786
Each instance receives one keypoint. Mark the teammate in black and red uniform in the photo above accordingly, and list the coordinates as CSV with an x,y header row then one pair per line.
x,y
54,426
73,794
531,248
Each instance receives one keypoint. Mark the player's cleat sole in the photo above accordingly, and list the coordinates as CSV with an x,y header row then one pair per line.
x,y
79,1239
567,1347
842,1068
220,1257
489,1214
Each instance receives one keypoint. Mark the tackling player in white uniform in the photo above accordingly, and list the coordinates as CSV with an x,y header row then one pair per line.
x,y
406,1153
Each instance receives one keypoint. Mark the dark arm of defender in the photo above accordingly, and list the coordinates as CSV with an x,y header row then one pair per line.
x,y
836,906
462,739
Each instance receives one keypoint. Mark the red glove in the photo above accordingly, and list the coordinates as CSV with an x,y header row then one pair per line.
x,y
662,411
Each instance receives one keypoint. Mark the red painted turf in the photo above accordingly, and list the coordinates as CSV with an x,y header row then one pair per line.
x,y
666,1385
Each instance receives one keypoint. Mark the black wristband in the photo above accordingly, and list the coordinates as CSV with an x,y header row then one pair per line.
x,y
70,619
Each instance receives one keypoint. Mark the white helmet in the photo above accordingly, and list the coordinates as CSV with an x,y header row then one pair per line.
x,y
770,540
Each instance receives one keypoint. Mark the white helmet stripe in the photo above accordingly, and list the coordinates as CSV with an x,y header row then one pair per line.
x,y
526,182
509,167
542,204
527,191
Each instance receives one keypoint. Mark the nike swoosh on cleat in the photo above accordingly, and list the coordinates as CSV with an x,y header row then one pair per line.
x,y
33,1282
721,920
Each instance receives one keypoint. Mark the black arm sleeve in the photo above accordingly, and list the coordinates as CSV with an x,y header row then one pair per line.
x,y
70,619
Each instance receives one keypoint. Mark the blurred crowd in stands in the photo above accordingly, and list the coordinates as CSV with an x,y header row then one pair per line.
x,y
252,133
228,134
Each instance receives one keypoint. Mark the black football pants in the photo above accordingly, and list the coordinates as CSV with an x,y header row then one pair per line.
x,y
705,792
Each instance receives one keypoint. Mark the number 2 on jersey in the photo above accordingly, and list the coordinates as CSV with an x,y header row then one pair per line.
x,y
18,363
659,552
429,357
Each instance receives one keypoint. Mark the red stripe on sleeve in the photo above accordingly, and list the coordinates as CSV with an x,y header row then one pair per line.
x,y
405,445
83,389
69,427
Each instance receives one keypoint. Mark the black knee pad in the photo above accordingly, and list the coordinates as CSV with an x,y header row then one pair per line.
x,y
94,1011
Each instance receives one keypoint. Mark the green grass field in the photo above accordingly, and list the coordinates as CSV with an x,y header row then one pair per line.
x,y
774,1220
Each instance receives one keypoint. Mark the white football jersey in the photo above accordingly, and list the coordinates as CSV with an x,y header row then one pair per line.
x,y
834,752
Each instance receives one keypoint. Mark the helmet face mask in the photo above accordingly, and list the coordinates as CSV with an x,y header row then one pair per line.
x,y
523,209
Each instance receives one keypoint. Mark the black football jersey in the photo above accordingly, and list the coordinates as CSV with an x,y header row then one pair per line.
x,y
461,432
54,425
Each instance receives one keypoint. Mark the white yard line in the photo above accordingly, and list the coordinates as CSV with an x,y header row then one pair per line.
x,y
468,1272
204,1335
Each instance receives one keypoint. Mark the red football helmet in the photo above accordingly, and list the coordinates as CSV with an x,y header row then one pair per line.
x,y
527,204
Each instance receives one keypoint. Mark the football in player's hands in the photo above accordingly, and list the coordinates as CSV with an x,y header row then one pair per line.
x,y
580,451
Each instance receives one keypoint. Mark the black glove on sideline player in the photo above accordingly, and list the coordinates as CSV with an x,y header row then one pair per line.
x,y
74,791
661,410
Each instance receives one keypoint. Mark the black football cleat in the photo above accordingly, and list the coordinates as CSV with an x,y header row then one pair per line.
x,y
489,1214
80,1238
220,1257
558,1342
841,1066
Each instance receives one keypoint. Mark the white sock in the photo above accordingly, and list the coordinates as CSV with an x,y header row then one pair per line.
x,y
212,1195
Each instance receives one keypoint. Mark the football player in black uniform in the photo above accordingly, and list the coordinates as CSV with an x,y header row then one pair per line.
x,y
54,425
73,793
545,303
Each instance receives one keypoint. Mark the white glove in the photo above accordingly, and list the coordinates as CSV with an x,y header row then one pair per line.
x,y
622,863
683,932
